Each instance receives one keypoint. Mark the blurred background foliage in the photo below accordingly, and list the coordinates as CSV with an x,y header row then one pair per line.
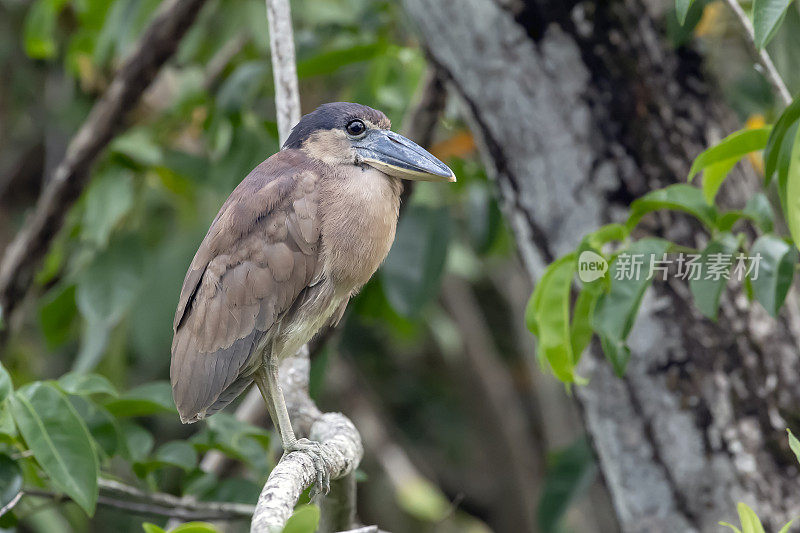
x,y
103,301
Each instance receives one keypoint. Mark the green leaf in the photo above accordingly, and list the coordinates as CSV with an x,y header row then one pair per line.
x,y
581,329
108,286
330,61
734,146
147,399
230,431
8,431
713,176
152,528
304,520
775,144
108,199
176,453
681,33
794,444
242,85
760,211
792,197
423,500
569,473
787,527
772,279
615,311
550,316
57,313
86,384
6,386
136,441
767,18
40,27
726,524
606,234
749,520
101,425
195,527
138,145
411,273
94,338
708,288
678,197
10,480
785,161
682,9
59,441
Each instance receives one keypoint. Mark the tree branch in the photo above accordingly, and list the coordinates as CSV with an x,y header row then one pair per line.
x,y
122,496
156,45
341,449
772,74
281,42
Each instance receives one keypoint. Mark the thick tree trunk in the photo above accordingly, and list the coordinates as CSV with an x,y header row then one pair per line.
x,y
580,108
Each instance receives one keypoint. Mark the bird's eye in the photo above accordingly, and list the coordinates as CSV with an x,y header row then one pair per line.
x,y
355,128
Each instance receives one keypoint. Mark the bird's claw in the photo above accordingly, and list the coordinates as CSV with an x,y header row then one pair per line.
x,y
313,448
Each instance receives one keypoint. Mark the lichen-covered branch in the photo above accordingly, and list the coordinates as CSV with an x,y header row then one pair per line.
x,y
341,450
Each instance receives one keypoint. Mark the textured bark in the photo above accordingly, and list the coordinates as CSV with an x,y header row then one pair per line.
x,y
581,107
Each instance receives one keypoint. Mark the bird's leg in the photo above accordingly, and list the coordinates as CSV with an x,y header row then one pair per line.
x,y
260,378
267,379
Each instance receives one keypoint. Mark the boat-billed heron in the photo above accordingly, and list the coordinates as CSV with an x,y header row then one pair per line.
x,y
294,241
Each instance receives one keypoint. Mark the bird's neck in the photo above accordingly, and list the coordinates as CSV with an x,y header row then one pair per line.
x,y
359,208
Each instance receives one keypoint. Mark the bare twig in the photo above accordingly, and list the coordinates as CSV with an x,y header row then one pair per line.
x,y
763,56
122,496
281,42
10,505
156,45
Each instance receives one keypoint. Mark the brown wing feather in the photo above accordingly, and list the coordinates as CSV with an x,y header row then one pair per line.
x,y
257,257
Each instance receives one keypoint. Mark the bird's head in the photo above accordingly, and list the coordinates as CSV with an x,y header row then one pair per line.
x,y
343,133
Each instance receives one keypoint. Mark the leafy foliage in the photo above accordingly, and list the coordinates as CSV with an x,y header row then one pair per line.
x,y
59,440
767,18
613,311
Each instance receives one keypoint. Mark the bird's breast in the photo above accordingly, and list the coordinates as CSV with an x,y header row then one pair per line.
x,y
359,211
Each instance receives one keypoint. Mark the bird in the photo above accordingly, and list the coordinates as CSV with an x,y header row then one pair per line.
x,y
294,241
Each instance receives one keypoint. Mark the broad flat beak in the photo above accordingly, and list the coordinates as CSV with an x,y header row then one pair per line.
x,y
397,156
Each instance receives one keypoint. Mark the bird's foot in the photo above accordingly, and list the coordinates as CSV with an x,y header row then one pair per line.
x,y
314,449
